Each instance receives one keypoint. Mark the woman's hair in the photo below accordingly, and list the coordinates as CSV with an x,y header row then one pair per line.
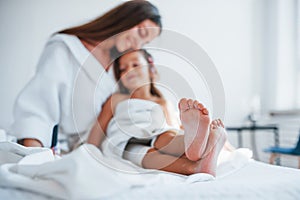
x,y
152,70
115,21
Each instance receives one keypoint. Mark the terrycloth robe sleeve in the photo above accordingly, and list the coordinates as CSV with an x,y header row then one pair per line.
x,y
38,107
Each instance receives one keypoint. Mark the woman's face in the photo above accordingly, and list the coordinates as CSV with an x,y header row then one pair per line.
x,y
134,70
137,36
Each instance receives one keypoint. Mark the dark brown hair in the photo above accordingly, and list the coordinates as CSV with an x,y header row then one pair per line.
x,y
152,70
117,20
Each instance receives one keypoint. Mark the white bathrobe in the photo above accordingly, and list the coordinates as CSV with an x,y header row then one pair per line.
x,y
68,89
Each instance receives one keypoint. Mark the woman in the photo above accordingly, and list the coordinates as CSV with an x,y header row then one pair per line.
x,y
60,91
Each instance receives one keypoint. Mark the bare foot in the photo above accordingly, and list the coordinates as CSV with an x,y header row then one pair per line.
x,y
212,141
216,140
195,120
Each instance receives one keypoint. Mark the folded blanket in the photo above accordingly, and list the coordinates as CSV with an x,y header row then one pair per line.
x,y
83,174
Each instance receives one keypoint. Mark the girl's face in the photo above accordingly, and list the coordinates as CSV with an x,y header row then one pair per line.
x,y
137,36
134,71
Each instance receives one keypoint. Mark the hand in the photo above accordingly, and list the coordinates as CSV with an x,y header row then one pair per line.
x,y
30,142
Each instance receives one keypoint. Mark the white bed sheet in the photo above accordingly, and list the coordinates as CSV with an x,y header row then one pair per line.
x,y
256,180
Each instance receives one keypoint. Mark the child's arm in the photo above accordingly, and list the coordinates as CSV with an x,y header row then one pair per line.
x,y
171,116
97,133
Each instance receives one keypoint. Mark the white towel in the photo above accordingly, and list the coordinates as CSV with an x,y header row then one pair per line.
x,y
138,118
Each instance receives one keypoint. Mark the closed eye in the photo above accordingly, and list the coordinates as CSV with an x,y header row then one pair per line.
x,y
135,65
143,32
123,69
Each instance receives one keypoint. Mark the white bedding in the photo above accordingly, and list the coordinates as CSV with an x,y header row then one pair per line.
x,y
256,180
237,179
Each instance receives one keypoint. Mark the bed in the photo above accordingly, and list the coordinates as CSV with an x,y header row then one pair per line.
x,y
254,181
81,175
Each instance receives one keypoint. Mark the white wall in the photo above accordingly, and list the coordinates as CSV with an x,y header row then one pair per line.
x,y
224,30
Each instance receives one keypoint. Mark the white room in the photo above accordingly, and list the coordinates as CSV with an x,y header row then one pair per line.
x,y
253,47
242,38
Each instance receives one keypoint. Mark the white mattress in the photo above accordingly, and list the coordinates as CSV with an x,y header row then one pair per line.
x,y
256,180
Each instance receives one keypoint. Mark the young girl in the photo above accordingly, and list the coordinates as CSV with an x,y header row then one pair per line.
x,y
139,115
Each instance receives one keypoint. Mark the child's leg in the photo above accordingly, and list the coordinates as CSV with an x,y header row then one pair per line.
x,y
173,144
195,120
227,145
212,141
157,160
170,143
216,141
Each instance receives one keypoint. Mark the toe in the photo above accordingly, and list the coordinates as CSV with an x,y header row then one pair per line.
x,y
212,126
221,123
218,122
190,103
183,105
195,104
200,106
205,111
214,122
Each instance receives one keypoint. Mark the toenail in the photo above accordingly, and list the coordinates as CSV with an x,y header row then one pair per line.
x,y
205,111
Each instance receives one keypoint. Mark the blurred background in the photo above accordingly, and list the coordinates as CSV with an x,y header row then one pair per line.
x,y
254,44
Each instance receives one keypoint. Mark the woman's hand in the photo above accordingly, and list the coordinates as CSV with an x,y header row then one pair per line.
x,y
30,142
